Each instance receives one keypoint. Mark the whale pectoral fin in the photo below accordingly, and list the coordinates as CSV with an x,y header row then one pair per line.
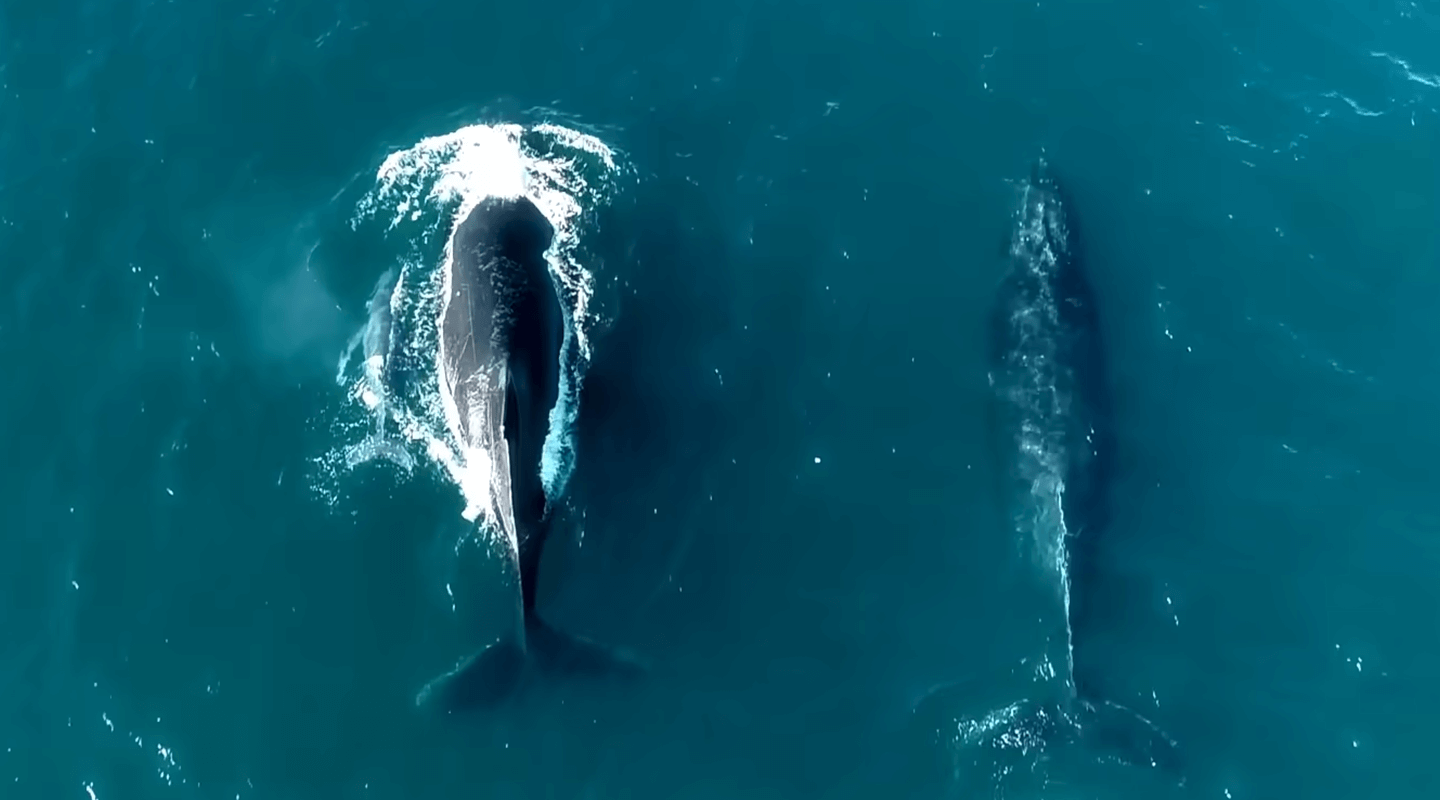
x,y
559,654
483,680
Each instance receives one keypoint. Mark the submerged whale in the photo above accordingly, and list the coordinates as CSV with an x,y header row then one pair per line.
x,y
378,343
501,327
1050,379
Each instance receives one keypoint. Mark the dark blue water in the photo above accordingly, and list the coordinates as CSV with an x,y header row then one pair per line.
x,y
785,466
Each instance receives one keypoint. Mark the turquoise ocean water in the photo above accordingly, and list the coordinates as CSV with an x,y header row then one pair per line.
x,y
786,221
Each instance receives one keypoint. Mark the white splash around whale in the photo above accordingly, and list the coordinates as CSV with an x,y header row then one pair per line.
x,y
420,194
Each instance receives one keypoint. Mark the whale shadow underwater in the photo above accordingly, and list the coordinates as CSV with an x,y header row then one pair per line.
x,y
1054,438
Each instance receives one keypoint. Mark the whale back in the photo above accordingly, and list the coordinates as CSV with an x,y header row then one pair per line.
x,y
496,269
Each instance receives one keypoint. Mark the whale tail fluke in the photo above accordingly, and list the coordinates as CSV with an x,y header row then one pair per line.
x,y
483,680
1071,736
555,653
492,676
1124,735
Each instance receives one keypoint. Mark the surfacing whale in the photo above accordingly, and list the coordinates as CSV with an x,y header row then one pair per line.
x,y
1049,374
501,326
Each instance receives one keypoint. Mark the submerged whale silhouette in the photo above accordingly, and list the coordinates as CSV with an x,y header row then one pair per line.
x,y
1050,378
378,343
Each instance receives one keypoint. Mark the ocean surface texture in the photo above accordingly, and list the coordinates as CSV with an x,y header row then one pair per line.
x,y
232,550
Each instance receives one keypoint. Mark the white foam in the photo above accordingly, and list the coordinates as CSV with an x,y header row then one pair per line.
x,y
469,164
